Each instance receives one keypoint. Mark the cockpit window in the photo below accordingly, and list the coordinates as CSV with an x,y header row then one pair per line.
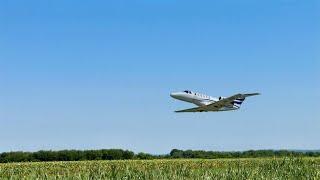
x,y
186,91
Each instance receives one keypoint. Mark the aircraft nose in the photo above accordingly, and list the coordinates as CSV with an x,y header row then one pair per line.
x,y
174,95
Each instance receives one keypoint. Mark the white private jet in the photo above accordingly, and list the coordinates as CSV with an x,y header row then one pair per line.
x,y
208,103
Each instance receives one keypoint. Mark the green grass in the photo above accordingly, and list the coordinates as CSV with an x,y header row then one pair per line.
x,y
255,168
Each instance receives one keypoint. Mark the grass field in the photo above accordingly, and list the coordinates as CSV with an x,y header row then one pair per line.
x,y
255,168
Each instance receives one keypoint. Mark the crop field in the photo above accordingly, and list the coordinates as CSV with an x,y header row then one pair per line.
x,y
254,168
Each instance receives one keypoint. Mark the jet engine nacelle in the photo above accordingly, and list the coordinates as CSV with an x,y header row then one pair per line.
x,y
220,98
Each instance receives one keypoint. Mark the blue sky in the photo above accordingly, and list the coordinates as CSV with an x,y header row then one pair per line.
x,y
97,74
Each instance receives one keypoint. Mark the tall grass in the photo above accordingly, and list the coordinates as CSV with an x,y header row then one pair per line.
x,y
259,168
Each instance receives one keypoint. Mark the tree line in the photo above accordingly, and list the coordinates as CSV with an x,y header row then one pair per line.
x,y
175,153
119,154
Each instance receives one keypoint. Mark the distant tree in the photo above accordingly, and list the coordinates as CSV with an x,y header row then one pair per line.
x,y
144,156
15,157
176,153
128,154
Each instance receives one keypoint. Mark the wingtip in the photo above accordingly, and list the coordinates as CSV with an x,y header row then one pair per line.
x,y
179,111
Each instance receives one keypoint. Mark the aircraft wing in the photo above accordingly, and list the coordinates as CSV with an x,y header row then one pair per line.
x,y
197,109
219,105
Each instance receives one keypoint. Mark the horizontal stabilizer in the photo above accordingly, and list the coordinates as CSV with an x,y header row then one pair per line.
x,y
251,94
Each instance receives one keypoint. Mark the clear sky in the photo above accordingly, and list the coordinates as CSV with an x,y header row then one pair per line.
x,y
98,74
